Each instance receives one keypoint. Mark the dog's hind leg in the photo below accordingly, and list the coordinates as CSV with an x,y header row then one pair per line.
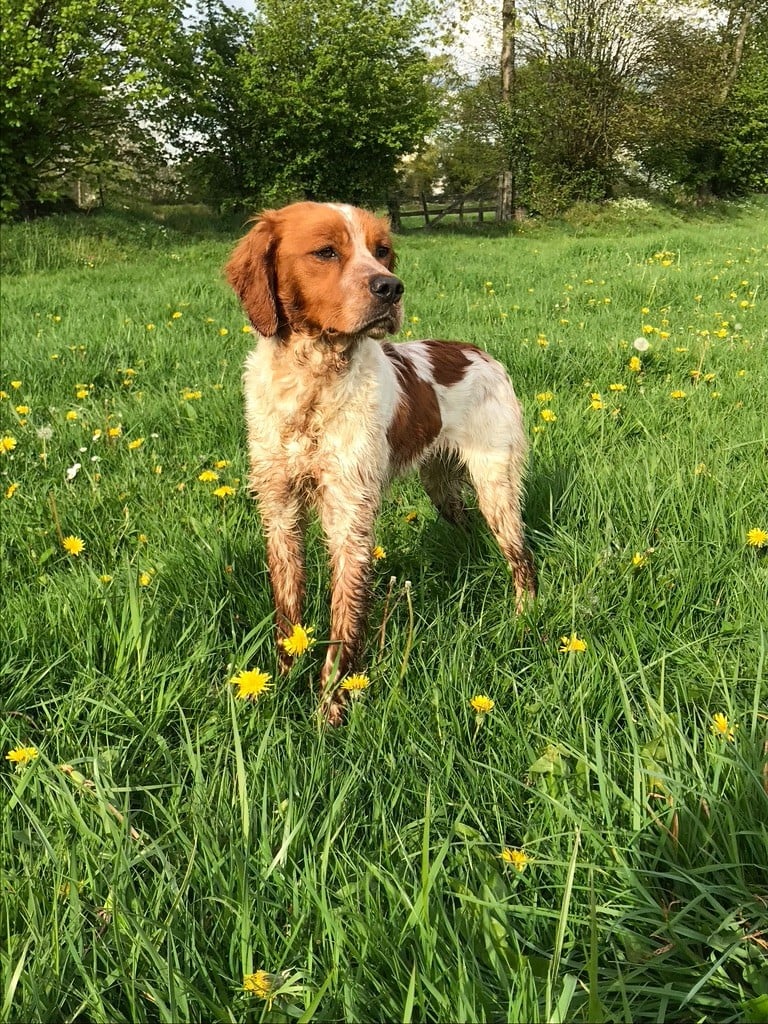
x,y
443,477
497,479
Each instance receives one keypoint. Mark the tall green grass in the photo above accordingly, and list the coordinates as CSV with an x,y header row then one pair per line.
x,y
193,840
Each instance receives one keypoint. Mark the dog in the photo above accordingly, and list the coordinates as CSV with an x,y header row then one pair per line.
x,y
334,411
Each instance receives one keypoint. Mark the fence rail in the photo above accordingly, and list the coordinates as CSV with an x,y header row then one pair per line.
x,y
479,202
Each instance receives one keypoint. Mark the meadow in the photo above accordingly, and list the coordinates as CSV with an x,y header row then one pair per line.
x,y
591,847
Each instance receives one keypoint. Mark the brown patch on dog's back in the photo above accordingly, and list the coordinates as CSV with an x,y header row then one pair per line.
x,y
417,420
450,360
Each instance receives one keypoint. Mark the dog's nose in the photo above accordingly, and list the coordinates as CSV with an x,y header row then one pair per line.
x,y
387,287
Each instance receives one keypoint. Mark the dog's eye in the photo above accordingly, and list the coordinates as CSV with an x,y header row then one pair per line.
x,y
326,253
382,251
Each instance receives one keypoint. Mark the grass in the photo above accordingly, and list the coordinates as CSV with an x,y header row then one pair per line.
x,y
194,840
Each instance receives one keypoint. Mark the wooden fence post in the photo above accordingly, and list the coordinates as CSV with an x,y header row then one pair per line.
x,y
425,207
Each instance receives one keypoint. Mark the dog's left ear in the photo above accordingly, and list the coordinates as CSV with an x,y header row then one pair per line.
x,y
251,272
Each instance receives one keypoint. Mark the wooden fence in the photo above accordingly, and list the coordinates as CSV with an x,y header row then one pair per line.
x,y
477,204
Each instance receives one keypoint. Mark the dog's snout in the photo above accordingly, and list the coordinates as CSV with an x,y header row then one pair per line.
x,y
387,287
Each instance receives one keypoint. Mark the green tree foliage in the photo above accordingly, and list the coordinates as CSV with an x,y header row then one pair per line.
x,y
469,143
744,164
705,122
575,92
315,98
599,81
79,79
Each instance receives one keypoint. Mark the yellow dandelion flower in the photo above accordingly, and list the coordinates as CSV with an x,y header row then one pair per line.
x,y
105,578
519,859
221,464
378,553
411,517
22,410
22,756
114,432
72,416
299,641
722,728
16,384
176,316
251,684
617,387
224,492
757,538
544,396
11,490
259,984
145,578
639,560
188,395
208,476
356,683
136,443
571,644
635,365
150,327
677,394
548,416
73,545
7,444
223,332
482,704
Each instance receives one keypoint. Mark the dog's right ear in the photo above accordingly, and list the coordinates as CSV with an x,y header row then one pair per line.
x,y
251,272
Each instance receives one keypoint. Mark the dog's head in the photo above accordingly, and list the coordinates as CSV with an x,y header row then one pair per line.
x,y
318,269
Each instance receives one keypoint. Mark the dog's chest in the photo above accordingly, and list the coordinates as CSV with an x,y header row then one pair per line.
x,y
313,423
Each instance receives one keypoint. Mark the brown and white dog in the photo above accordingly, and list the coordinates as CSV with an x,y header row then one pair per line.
x,y
334,412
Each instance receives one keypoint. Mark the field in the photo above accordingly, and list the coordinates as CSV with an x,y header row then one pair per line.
x,y
593,848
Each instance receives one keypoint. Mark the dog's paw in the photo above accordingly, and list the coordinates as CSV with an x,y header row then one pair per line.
x,y
333,708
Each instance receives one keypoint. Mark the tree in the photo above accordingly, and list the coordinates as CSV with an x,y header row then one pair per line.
x,y
469,142
705,107
583,61
507,180
313,98
568,73
79,82
207,116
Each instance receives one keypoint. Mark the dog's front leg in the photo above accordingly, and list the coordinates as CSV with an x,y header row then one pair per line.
x,y
349,535
283,521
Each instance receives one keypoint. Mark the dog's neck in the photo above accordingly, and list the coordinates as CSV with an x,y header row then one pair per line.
x,y
325,354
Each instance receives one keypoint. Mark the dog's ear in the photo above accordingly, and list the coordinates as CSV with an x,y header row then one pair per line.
x,y
251,272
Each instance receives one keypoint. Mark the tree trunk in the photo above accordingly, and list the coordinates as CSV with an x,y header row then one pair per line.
x,y
506,201
738,52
